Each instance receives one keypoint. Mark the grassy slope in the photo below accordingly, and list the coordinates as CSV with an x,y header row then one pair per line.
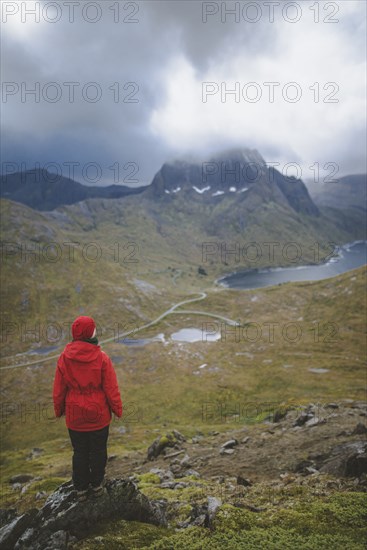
x,y
247,371
161,244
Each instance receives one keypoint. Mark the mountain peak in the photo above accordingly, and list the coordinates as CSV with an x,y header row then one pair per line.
x,y
242,155
240,173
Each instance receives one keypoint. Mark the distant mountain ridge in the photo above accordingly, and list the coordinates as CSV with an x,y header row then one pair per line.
x,y
344,202
241,174
43,190
348,192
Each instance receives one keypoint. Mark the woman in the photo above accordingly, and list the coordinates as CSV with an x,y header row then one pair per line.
x,y
86,390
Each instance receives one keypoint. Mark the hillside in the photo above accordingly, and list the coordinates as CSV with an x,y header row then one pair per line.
x,y
283,383
131,250
281,471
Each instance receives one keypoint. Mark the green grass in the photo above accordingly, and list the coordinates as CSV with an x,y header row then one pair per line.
x,y
307,517
158,384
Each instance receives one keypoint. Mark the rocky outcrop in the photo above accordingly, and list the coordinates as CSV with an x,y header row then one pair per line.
x,y
348,460
171,439
63,519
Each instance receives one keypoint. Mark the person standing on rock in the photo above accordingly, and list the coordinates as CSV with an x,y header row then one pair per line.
x,y
86,390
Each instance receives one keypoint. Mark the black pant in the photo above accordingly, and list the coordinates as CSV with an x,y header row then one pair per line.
x,y
90,457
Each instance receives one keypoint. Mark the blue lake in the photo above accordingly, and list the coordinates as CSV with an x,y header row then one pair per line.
x,y
347,257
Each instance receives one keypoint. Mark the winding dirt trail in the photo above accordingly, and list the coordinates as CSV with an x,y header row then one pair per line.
x,y
170,311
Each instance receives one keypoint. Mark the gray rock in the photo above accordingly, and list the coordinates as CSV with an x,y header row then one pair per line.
x,y
25,540
280,414
58,541
25,488
163,475
36,451
315,421
62,513
185,461
178,435
21,478
303,418
359,429
319,371
202,515
302,466
244,481
213,506
359,405
245,439
160,444
229,444
7,515
191,472
311,470
174,484
347,460
11,532
175,453
168,484
121,430
181,485
226,451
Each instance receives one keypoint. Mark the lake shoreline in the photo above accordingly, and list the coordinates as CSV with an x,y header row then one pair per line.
x,y
337,256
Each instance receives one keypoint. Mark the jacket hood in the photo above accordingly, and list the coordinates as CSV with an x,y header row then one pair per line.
x,y
81,351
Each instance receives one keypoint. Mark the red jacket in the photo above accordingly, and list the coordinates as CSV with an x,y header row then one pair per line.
x,y
85,387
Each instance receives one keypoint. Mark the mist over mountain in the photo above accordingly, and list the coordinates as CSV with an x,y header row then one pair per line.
x,y
343,201
230,194
239,173
346,192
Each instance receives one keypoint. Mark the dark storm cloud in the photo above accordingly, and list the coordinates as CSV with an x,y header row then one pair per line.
x,y
146,53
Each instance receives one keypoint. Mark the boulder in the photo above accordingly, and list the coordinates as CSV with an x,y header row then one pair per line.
x,y
7,515
315,421
202,515
226,451
243,481
303,418
347,460
229,444
161,442
63,518
10,533
359,429
279,414
213,506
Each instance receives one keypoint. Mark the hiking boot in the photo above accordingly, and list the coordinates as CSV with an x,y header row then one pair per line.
x,y
97,491
82,495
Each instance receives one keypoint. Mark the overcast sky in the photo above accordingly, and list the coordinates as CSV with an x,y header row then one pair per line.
x,y
180,58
